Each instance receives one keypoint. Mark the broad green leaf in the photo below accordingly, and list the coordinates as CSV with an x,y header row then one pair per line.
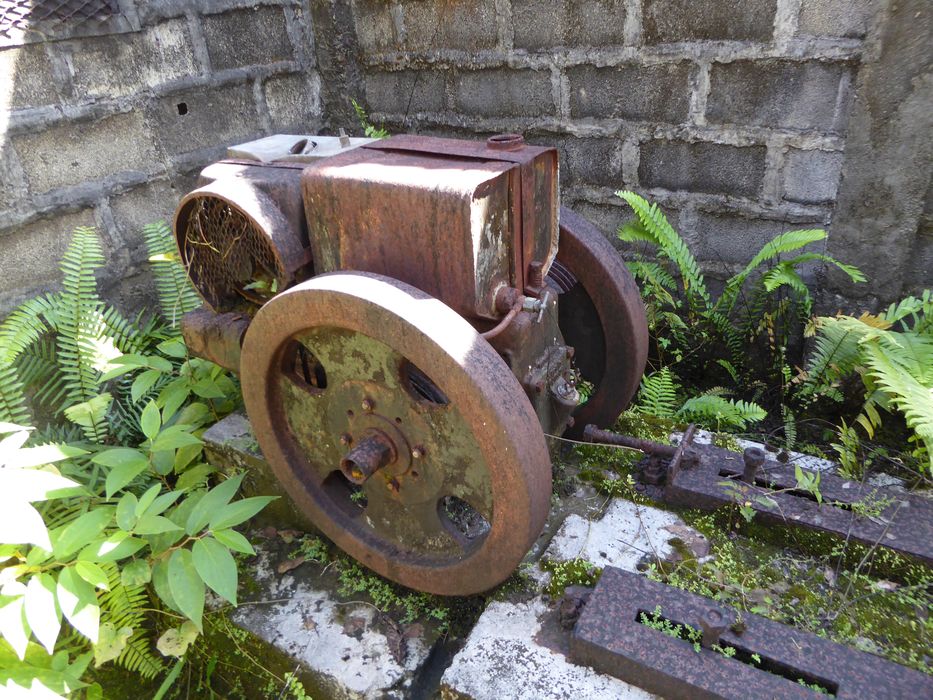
x,y
150,421
89,413
160,574
185,456
22,524
118,457
207,389
239,511
81,530
13,624
163,502
175,641
212,502
143,383
172,396
123,475
163,461
216,567
37,456
136,573
146,499
195,476
126,511
174,437
154,525
114,548
234,540
173,347
78,603
110,643
186,585
32,485
42,611
194,414
93,574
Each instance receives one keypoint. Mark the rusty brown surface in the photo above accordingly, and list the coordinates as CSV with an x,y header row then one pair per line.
x,y
215,337
383,356
611,638
242,234
602,317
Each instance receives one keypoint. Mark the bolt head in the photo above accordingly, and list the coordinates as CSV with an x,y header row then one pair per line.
x,y
345,439
393,485
417,452
368,405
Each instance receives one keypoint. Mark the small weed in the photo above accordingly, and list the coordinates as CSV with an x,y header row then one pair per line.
x,y
574,572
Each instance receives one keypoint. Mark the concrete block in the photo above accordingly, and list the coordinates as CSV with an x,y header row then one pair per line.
x,y
251,36
343,649
516,651
702,167
717,20
847,18
919,275
504,92
812,177
231,447
406,91
123,64
154,201
775,93
731,238
648,93
194,119
594,161
28,71
412,25
71,153
541,24
294,103
31,255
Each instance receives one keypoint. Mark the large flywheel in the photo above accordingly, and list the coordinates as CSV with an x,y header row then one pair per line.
x,y
600,314
398,430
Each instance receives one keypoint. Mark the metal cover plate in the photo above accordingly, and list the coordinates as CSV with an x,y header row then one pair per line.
x,y
609,637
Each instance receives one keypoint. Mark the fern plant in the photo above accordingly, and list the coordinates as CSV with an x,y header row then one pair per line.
x,y
707,339
892,355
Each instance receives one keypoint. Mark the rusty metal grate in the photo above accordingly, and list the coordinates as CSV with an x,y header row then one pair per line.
x,y
229,257
27,14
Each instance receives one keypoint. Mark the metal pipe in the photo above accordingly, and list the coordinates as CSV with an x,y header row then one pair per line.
x,y
369,456
593,434
504,323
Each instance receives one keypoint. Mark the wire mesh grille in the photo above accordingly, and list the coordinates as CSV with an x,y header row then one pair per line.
x,y
23,14
230,259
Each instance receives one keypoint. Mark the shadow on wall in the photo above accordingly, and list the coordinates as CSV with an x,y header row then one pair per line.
x,y
108,114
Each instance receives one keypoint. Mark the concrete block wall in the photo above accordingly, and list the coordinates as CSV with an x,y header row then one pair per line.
x,y
732,114
109,125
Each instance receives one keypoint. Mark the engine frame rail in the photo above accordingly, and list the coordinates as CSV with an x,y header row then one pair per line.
x,y
611,637
709,477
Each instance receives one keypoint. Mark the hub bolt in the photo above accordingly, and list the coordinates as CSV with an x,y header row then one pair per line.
x,y
393,485
417,452
368,405
346,439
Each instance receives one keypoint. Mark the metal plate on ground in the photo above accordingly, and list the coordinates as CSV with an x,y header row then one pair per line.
x,y
857,511
610,637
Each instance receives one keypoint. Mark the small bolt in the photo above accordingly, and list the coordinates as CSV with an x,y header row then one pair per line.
x,y
393,485
346,439
368,405
713,623
417,452
753,457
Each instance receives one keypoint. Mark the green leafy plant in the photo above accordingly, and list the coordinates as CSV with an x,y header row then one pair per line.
x,y
892,355
108,528
370,131
706,340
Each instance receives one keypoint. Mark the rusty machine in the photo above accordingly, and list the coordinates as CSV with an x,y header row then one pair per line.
x,y
410,318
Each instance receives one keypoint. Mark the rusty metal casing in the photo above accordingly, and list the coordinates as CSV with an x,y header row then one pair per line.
x,y
456,219
242,234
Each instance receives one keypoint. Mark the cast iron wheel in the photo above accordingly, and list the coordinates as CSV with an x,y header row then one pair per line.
x,y
398,430
601,315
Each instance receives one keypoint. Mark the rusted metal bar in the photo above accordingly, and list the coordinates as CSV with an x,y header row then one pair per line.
x,y
593,434
770,660
681,452
215,337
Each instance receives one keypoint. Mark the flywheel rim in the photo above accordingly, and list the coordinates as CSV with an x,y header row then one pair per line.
x,y
602,317
468,372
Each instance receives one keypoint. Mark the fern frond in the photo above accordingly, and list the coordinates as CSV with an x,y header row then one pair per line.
x,y
25,325
656,229
176,294
124,606
717,412
658,394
